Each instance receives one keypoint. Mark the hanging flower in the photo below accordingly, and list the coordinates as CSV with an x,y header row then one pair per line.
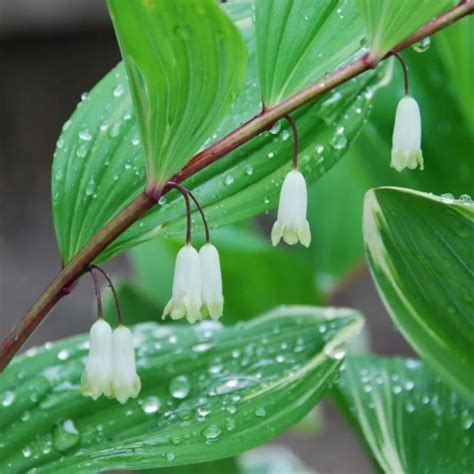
x,y
97,376
406,144
291,223
125,381
212,298
186,298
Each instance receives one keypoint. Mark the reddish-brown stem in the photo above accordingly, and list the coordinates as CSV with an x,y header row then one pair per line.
x,y
405,72
185,194
73,269
110,284
97,292
203,216
295,140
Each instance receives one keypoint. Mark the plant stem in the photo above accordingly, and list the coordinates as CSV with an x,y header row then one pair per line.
x,y
405,72
73,269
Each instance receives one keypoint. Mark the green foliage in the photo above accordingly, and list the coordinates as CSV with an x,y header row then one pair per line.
x,y
255,275
338,244
419,249
456,47
185,61
410,421
298,42
94,179
389,22
208,393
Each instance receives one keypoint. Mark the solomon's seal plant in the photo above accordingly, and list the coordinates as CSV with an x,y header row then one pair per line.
x,y
236,110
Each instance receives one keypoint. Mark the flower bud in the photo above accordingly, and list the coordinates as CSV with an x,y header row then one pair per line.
x,y
406,143
186,298
97,376
125,381
211,281
291,223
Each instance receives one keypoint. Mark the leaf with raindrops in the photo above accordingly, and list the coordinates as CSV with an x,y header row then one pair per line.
x,y
299,42
208,392
387,23
420,252
410,420
185,61
94,179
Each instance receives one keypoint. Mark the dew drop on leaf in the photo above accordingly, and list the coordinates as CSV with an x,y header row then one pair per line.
x,y
150,405
85,135
422,45
260,412
211,432
180,387
65,436
119,90
8,399
339,140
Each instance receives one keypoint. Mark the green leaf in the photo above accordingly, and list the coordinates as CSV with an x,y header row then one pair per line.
x,y
95,179
298,42
389,22
137,306
419,248
410,421
238,387
456,47
224,466
255,275
185,61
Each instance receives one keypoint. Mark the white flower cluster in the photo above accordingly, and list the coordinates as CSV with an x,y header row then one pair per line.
x,y
197,285
110,368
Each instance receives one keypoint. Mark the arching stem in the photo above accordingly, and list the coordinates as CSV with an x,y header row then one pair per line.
x,y
97,292
405,72
295,140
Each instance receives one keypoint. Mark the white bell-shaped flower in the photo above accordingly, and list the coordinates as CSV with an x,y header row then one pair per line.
x,y
186,298
406,143
291,223
125,381
97,376
212,298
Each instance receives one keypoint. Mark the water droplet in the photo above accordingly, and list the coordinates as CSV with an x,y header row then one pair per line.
x,y
59,175
202,347
114,130
180,387
170,456
249,170
26,452
396,389
211,432
260,412
118,90
65,436
63,354
229,179
270,154
229,424
8,399
90,188
447,198
285,135
85,135
422,45
150,404
135,141
275,130
319,149
364,41
339,140
82,151
465,199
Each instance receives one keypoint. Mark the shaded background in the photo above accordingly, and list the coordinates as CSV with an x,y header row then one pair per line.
x,y
50,52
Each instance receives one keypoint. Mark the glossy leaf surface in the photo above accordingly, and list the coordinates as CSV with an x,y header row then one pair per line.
x,y
185,61
298,42
94,179
208,393
389,22
410,420
420,251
